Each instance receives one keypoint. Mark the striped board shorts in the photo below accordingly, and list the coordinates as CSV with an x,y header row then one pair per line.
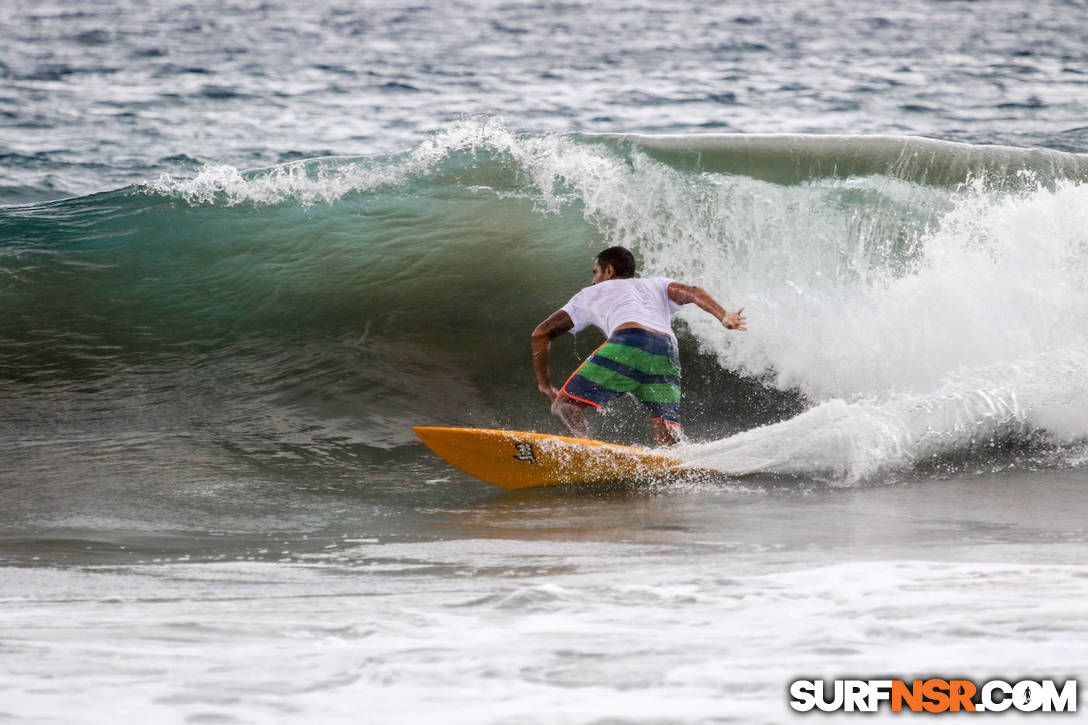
x,y
637,361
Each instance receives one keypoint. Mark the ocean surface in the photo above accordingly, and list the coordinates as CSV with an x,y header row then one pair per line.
x,y
245,246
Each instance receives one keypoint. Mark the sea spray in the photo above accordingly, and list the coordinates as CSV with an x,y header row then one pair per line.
x,y
979,410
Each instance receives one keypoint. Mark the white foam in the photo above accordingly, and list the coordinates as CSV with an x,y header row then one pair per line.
x,y
639,634
984,330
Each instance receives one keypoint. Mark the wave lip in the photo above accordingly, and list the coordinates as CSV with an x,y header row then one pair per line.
x,y
794,158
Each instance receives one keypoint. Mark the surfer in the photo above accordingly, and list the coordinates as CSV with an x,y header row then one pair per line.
x,y
640,355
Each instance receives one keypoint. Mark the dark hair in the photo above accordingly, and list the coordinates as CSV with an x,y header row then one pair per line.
x,y
621,259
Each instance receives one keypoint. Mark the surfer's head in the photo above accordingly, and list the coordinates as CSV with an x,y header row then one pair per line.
x,y
614,263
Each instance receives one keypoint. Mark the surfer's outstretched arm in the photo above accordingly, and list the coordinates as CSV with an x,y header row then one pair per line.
x,y
684,294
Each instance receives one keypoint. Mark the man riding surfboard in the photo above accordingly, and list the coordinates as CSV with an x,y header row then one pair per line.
x,y
640,355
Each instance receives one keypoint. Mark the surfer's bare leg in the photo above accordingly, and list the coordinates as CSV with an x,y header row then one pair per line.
x,y
665,434
572,414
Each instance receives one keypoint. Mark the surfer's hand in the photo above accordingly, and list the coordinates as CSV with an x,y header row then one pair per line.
x,y
735,320
549,391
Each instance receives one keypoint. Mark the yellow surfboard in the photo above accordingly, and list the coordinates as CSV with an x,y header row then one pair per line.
x,y
513,459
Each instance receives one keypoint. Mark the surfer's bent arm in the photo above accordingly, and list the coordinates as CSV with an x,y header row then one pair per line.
x,y
684,294
551,328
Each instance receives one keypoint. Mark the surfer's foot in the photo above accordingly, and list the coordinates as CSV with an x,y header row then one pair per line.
x,y
665,434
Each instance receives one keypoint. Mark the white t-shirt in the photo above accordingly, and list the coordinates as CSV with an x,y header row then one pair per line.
x,y
609,304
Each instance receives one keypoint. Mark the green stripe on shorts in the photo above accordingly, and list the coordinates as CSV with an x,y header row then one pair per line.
x,y
620,383
610,379
658,393
640,360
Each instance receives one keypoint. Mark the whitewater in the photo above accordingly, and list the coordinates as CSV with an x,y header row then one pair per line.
x,y
245,248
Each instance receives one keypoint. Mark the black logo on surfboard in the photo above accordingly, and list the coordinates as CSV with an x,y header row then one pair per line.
x,y
525,452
